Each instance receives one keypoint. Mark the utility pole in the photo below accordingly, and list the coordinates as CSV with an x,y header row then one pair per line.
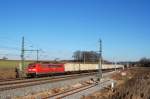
x,y
23,50
22,55
84,57
37,51
19,71
100,60
115,65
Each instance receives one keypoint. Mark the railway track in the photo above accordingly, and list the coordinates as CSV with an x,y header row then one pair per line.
x,y
69,92
73,91
15,90
25,80
13,84
13,79
20,83
17,79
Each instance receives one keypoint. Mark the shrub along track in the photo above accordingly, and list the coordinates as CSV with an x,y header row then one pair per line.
x,y
135,85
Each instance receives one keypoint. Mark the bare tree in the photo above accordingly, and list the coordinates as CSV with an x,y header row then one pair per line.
x,y
4,58
87,56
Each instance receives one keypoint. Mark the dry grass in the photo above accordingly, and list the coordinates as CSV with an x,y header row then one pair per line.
x,y
7,73
7,68
124,86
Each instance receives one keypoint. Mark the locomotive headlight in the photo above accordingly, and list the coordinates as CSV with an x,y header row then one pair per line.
x,y
32,69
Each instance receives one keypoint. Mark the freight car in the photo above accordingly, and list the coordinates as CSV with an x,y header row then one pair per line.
x,y
36,69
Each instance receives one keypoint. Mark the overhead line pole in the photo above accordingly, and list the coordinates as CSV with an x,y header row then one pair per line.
x,y
22,55
37,55
21,67
100,60
19,71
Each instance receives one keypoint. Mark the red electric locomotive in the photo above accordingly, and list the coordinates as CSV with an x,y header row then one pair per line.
x,y
36,69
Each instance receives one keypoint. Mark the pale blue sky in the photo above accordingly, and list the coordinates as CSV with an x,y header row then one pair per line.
x,y
60,27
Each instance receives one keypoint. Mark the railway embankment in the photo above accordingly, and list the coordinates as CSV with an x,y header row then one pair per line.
x,y
131,84
78,86
23,89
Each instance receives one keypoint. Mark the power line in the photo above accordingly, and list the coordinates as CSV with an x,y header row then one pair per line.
x,y
8,48
9,40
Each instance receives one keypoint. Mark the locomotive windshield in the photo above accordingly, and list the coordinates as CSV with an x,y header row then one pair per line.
x,y
55,65
31,65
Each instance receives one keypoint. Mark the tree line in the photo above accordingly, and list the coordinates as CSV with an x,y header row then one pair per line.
x,y
92,56
86,56
144,62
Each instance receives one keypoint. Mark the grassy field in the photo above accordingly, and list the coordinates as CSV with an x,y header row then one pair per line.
x,y
10,64
7,68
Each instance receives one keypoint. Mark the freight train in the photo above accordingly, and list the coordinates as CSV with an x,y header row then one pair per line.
x,y
38,69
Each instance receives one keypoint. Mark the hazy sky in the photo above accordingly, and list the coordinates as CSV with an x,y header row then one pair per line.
x,y
60,27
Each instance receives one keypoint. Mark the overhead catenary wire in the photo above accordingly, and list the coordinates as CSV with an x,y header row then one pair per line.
x,y
9,41
9,44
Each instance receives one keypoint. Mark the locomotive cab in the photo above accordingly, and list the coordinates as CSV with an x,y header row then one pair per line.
x,y
44,69
31,70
